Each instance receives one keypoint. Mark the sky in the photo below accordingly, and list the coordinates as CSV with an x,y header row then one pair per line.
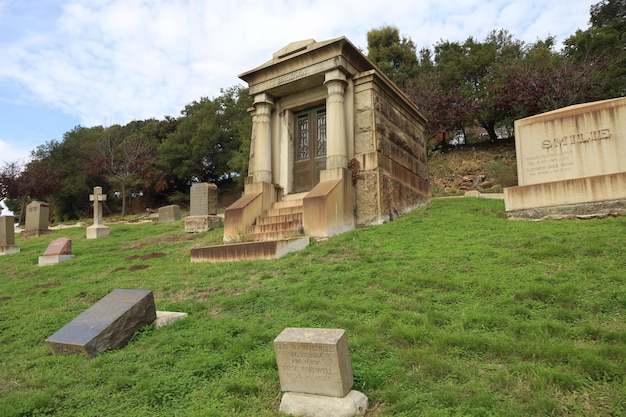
x,y
65,63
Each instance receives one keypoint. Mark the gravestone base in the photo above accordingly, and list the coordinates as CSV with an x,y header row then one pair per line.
x,y
9,249
299,404
34,232
164,318
196,224
54,259
96,231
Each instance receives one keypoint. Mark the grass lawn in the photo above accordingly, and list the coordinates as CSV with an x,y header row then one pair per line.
x,y
450,310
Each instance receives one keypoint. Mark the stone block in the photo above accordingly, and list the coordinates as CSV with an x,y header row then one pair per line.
x,y
196,224
108,324
298,404
169,213
314,361
37,213
7,236
97,230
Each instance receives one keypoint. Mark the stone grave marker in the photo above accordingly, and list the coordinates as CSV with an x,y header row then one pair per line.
x,y
108,324
98,229
7,236
37,213
316,373
59,250
203,199
169,213
202,208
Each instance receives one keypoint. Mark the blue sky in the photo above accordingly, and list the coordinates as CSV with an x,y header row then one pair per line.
x,y
99,62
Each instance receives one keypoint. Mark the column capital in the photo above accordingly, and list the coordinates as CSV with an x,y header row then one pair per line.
x,y
335,75
263,98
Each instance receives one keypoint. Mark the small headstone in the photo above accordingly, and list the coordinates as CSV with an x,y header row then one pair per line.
x,y
108,324
7,236
98,229
37,213
59,250
316,373
169,214
203,199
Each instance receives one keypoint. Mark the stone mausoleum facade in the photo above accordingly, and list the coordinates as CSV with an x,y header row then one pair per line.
x,y
333,137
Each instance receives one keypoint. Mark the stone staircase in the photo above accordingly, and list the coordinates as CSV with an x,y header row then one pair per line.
x,y
283,220
275,232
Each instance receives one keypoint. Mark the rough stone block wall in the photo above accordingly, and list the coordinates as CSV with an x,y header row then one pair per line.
x,y
390,147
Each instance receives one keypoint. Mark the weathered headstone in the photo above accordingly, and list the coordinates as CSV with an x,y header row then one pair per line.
x,y
316,373
97,229
202,208
7,236
169,214
59,250
570,162
37,213
108,324
203,199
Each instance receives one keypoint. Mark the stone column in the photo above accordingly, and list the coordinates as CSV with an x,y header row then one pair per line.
x,y
337,156
263,104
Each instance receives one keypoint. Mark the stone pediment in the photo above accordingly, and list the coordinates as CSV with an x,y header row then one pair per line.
x,y
292,48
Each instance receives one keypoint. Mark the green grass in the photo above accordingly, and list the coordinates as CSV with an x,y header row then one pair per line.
x,y
450,310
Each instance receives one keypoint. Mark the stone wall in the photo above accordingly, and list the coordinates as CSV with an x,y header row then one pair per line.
x,y
390,165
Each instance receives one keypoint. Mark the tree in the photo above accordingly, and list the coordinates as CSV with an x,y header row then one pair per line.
x,y
394,56
601,49
126,154
211,140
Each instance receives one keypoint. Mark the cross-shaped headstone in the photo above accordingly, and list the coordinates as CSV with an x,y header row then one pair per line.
x,y
97,197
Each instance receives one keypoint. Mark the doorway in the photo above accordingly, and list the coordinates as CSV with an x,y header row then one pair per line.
x,y
310,148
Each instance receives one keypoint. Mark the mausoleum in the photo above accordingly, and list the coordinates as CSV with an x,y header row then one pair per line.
x,y
335,145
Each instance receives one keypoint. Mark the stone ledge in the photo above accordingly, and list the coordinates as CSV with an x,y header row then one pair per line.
x,y
300,404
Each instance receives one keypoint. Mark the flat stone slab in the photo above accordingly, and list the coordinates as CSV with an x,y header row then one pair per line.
x,y
108,324
164,318
298,404
314,361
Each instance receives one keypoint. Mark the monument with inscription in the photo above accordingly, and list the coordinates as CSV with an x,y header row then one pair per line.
x,y
7,236
108,324
570,163
37,213
202,208
98,229
59,250
316,374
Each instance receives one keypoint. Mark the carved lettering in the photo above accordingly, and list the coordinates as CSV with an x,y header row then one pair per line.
x,y
292,76
559,142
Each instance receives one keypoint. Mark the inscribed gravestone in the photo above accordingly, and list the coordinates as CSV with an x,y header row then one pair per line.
x,y
169,214
97,229
7,236
203,199
59,250
108,324
314,361
570,162
37,213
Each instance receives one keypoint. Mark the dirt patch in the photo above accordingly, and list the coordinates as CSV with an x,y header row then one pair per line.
x,y
5,298
118,269
153,255
42,286
138,267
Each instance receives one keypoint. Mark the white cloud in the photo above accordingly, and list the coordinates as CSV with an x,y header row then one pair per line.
x,y
120,60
